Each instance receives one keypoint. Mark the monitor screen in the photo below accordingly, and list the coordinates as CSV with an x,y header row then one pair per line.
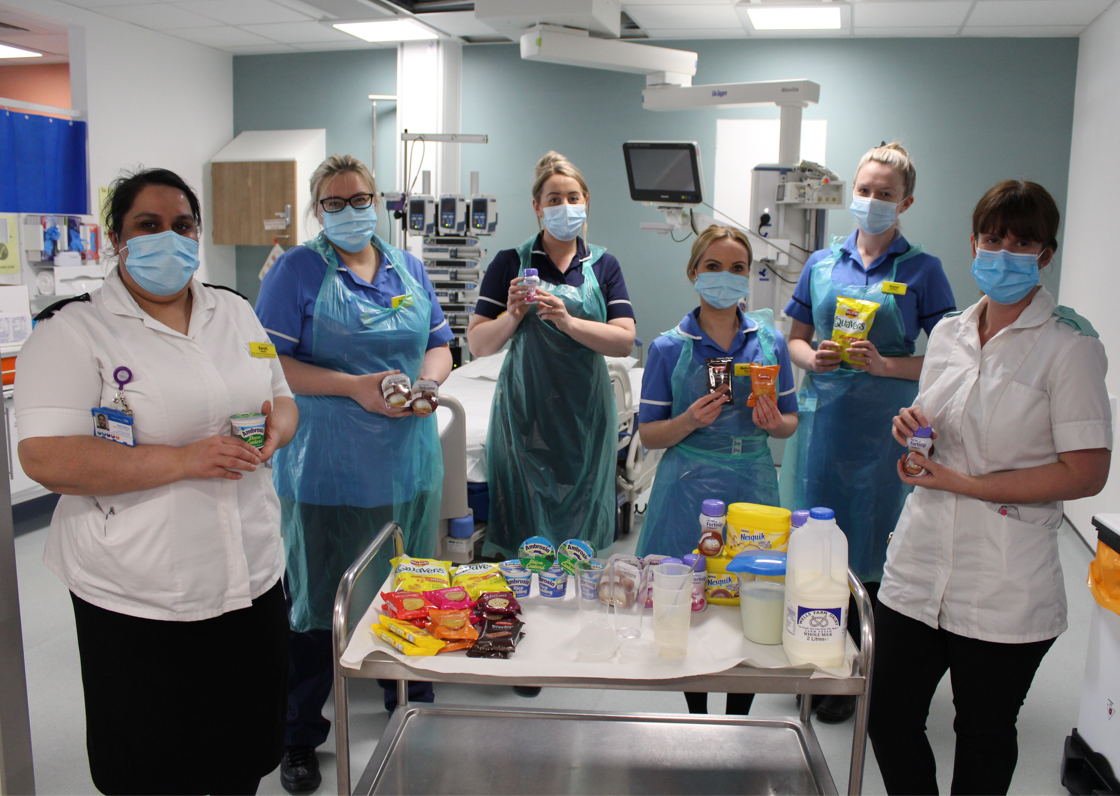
x,y
664,171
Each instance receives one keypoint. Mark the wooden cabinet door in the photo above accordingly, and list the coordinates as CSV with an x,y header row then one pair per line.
x,y
250,200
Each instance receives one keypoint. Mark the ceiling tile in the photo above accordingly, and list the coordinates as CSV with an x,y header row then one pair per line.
x,y
243,12
994,13
906,32
299,32
458,23
327,46
260,49
1023,30
685,17
157,16
924,13
99,4
697,33
221,37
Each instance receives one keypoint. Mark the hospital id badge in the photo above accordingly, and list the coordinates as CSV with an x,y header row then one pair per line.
x,y
895,288
113,425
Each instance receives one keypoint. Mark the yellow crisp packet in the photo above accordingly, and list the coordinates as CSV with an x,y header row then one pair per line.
x,y
400,645
420,574
852,322
479,578
411,633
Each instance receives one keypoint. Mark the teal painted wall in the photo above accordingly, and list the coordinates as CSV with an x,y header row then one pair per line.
x,y
308,90
971,112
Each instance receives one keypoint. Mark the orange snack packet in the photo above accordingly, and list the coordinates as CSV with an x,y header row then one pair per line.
x,y
764,381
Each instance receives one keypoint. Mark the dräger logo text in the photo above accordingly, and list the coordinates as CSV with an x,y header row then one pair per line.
x,y
788,89
718,93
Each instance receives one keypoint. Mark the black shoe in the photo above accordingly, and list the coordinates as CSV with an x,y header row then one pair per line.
x,y
837,708
299,770
526,690
817,699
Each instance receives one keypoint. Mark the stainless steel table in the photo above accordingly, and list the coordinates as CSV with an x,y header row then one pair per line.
x,y
458,749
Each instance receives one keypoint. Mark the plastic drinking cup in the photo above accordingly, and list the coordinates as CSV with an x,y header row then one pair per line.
x,y
625,589
672,613
672,576
589,577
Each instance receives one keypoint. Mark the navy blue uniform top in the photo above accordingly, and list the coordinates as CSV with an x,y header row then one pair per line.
x,y
657,380
286,305
928,295
506,265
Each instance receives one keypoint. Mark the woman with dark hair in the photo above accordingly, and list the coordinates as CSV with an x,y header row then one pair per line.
x,y
1014,390
168,534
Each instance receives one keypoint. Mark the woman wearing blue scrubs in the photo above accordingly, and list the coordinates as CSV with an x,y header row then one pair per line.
x,y
345,310
714,449
843,456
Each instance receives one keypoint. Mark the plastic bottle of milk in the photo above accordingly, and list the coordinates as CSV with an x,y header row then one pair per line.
x,y
816,621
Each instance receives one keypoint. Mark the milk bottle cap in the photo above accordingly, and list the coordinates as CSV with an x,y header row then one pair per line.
x,y
713,508
821,513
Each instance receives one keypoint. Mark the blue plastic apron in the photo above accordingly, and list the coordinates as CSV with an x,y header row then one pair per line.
x,y
550,456
728,460
352,460
843,455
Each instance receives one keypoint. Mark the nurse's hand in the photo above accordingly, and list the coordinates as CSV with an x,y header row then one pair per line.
x,y
936,476
827,357
366,391
865,356
218,457
766,415
552,308
515,300
706,409
907,422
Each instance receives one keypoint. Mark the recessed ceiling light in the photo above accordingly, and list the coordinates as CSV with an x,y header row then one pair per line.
x,y
8,51
388,30
795,18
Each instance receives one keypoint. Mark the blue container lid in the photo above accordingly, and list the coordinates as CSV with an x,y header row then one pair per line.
x,y
530,272
461,527
922,431
759,562
799,518
821,513
670,561
693,560
714,508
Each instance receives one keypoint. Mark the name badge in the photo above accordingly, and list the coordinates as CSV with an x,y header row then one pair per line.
x,y
262,350
897,288
406,300
742,368
113,425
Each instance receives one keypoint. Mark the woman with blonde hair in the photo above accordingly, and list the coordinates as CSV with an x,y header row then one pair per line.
x,y
842,456
345,310
551,448
717,447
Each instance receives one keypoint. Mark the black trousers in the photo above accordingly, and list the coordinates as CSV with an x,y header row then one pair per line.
x,y
184,707
990,681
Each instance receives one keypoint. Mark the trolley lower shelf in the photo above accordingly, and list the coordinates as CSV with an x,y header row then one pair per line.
x,y
452,749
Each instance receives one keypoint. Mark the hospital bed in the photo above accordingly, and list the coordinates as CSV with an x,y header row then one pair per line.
x,y
463,436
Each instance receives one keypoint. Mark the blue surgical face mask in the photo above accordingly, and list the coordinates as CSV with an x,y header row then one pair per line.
x,y
350,229
1005,277
722,289
162,264
874,216
565,221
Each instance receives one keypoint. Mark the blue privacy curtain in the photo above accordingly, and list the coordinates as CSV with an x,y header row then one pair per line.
x,y
42,165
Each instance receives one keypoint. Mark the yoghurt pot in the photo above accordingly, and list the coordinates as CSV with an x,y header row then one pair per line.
x,y
249,427
520,580
553,583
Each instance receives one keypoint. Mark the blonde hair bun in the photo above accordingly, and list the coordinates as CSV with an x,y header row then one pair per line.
x,y
552,164
895,156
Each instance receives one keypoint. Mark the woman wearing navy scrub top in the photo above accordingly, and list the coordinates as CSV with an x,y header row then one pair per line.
x,y
843,456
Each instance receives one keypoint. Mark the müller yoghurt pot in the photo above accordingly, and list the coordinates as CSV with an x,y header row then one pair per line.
x,y
249,427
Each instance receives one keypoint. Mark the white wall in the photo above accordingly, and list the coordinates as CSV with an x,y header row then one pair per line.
x,y
149,99
1089,271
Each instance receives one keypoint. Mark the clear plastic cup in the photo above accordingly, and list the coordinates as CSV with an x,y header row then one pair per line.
x,y
589,578
672,608
672,576
624,589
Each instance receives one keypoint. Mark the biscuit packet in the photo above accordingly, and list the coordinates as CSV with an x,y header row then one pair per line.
x,y
852,322
407,605
410,633
453,626
720,370
764,381
399,644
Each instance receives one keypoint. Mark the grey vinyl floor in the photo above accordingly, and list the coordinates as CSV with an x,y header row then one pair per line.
x,y
58,731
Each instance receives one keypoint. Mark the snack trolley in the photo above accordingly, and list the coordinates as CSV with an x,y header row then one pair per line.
x,y
458,749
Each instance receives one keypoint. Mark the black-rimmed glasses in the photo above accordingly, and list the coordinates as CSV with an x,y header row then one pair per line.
x,y
336,204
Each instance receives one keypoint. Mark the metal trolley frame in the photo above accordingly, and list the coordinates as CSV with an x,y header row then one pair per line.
x,y
594,752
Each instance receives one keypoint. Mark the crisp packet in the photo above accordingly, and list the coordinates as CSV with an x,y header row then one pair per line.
x,y
852,322
764,381
407,605
399,644
477,578
420,574
411,633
